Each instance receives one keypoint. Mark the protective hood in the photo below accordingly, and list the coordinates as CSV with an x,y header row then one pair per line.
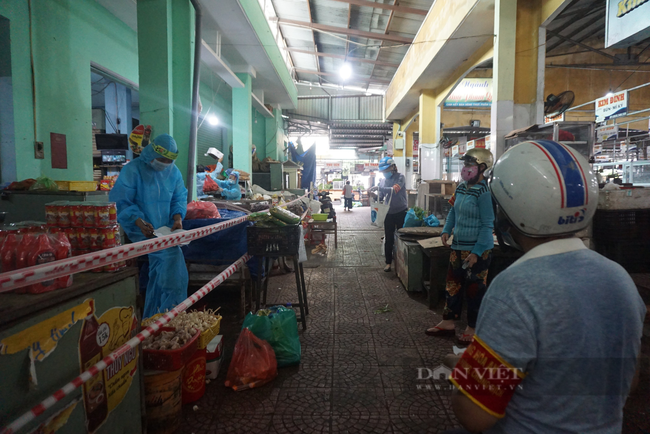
x,y
166,146
234,172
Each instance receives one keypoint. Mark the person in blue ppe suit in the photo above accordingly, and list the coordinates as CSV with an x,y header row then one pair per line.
x,y
149,194
230,187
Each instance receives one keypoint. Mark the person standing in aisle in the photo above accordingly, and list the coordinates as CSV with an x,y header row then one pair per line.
x,y
392,188
347,196
471,219
149,194
561,328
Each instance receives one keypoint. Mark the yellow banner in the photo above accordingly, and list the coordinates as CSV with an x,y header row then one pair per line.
x,y
43,337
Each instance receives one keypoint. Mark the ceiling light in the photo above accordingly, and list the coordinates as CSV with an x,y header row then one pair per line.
x,y
213,120
346,71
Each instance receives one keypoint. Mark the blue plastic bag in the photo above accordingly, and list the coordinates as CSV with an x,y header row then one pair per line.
x,y
411,220
431,221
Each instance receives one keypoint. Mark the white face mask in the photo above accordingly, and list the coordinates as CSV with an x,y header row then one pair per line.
x,y
159,166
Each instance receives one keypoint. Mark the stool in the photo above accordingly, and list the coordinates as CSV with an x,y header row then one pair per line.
x,y
261,288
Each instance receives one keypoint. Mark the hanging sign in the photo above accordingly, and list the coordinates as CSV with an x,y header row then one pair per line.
x,y
556,118
471,92
612,106
605,133
333,165
99,337
627,22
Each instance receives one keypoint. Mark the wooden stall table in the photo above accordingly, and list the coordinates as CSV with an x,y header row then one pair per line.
x,y
326,227
60,334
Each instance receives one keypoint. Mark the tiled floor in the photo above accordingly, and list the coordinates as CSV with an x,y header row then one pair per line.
x,y
359,369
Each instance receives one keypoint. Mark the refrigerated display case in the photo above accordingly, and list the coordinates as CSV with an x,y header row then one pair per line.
x,y
579,135
629,172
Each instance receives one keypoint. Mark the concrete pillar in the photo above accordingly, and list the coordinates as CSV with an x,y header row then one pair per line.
x,y
431,158
242,128
503,82
530,54
519,61
273,134
165,47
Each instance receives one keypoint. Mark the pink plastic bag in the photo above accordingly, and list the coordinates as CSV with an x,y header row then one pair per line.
x,y
253,363
202,210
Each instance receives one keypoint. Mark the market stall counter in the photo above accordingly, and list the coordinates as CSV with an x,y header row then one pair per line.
x,y
47,339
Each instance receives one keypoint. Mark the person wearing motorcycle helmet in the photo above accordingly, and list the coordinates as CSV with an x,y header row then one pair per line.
x,y
392,188
562,326
471,219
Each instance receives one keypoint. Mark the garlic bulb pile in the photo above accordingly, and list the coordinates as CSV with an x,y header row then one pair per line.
x,y
186,325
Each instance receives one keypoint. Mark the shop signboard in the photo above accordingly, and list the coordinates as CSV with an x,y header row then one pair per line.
x,y
605,133
371,166
627,22
333,165
611,106
470,145
471,92
556,118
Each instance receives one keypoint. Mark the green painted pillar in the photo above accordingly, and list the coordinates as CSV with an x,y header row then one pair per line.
x,y
242,124
271,132
165,48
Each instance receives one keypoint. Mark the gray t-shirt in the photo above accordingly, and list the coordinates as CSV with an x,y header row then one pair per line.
x,y
399,201
572,320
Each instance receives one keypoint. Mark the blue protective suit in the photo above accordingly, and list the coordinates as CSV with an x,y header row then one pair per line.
x,y
230,191
155,197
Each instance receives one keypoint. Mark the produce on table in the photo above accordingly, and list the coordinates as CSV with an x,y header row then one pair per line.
x,y
186,325
420,213
285,216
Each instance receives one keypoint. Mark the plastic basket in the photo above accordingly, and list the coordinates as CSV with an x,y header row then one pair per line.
x,y
634,256
77,185
273,242
169,360
622,225
320,217
209,334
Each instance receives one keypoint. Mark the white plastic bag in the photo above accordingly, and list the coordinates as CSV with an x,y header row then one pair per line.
x,y
378,211
302,252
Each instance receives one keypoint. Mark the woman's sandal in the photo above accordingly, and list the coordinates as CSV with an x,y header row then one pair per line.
x,y
461,340
437,331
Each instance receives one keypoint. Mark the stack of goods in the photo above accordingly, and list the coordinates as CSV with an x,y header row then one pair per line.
x,y
107,183
31,243
183,343
89,226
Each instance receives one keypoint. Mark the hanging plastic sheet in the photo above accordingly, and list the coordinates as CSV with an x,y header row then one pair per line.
x,y
308,159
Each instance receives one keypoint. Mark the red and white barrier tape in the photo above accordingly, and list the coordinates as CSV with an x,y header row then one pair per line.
x,y
115,355
39,273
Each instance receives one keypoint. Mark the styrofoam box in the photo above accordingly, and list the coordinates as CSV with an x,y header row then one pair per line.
x,y
632,198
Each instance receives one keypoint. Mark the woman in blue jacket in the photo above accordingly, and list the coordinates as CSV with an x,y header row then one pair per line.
x,y
472,220
149,194
230,187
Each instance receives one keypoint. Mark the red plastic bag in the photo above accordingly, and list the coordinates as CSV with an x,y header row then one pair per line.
x,y
209,184
253,363
202,210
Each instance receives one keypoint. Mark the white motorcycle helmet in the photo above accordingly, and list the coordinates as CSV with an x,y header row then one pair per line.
x,y
543,189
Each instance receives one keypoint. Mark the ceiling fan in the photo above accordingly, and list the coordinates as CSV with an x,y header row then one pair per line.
x,y
556,105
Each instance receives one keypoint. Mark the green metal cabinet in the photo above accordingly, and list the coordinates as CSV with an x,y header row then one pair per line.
x,y
19,312
409,264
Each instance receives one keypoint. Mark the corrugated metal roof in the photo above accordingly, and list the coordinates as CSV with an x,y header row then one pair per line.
x,y
345,15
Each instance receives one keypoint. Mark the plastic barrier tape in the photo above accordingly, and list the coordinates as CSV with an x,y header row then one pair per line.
x,y
39,273
119,352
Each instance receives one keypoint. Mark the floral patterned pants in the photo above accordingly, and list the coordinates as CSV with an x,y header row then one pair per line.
x,y
472,281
